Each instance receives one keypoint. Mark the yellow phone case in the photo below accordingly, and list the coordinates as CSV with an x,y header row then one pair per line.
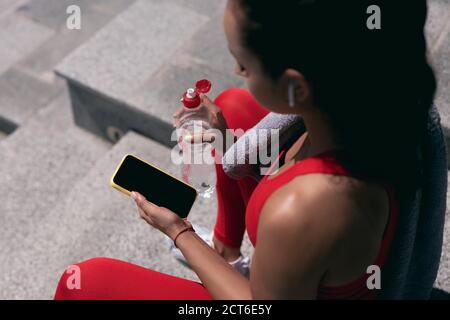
x,y
128,192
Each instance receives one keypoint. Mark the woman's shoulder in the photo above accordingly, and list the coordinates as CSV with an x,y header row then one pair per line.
x,y
303,224
312,197
329,219
336,204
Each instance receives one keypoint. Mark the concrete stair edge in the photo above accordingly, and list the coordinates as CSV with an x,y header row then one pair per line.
x,y
96,220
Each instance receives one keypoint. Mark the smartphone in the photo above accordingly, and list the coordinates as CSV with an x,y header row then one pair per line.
x,y
157,186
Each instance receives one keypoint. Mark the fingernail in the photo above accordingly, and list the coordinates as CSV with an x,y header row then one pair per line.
x,y
140,197
134,195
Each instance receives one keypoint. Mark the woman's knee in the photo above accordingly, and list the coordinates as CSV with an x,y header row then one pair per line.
x,y
71,281
239,108
230,99
232,94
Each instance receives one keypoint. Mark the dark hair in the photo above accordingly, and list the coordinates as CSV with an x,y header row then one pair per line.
x,y
376,85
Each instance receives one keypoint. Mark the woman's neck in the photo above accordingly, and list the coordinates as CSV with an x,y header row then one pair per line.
x,y
321,136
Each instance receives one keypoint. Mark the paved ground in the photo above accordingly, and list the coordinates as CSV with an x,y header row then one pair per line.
x,y
59,208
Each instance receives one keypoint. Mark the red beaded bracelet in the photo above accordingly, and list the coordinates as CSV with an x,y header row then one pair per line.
x,y
188,228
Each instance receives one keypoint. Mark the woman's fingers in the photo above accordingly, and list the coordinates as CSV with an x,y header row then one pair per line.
x,y
147,207
178,112
209,104
176,116
141,213
208,137
218,119
199,138
158,217
144,216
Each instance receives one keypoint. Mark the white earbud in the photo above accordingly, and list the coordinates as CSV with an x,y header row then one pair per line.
x,y
291,93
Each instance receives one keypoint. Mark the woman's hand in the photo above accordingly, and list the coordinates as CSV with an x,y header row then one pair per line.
x,y
159,217
216,120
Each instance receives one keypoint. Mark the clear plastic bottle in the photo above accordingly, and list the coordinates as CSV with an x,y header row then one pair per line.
x,y
198,168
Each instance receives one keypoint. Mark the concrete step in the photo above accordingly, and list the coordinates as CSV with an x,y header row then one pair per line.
x,y
443,278
442,69
52,14
9,6
40,163
93,220
19,37
21,94
131,74
37,33
438,35
437,21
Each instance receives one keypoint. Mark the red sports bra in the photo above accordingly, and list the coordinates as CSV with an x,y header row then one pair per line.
x,y
323,163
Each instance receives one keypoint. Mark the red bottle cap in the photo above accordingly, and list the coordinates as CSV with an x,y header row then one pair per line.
x,y
191,98
203,86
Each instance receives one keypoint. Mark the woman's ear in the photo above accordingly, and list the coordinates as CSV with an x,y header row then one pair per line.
x,y
296,88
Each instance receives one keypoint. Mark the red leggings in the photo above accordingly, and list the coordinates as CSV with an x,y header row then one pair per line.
x,y
104,278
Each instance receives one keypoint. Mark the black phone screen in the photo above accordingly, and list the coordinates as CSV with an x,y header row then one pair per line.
x,y
155,185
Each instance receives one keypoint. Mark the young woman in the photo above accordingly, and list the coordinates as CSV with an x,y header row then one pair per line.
x,y
330,211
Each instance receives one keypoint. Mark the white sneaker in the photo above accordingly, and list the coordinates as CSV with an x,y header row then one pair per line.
x,y
242,264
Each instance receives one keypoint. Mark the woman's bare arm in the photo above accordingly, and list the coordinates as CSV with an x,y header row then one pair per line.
x,y
218,276
221,280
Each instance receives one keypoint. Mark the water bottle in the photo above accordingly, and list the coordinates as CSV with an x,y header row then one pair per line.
x,y
198,168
